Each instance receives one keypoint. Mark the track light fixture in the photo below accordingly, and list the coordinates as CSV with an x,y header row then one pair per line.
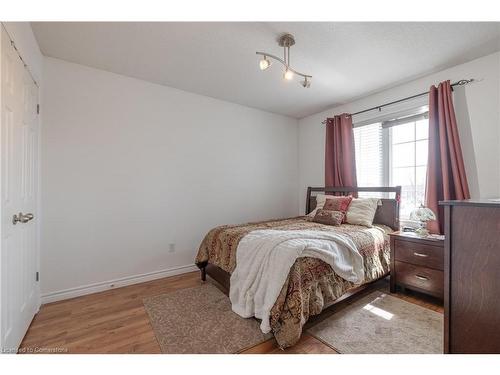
x,y
285,41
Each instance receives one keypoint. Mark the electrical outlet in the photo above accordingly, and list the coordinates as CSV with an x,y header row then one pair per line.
x,y
171,247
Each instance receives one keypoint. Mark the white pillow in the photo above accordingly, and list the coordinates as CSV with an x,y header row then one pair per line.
x,y
361,211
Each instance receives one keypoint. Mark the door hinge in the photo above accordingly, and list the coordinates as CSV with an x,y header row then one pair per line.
x,y
37,276
38,109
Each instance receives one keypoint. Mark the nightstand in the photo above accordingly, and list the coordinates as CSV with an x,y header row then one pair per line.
x,y
417,263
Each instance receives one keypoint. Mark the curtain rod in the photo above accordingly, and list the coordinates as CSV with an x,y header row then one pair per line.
x,y
379,107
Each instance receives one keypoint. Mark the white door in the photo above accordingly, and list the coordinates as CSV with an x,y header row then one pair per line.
x,y
19,183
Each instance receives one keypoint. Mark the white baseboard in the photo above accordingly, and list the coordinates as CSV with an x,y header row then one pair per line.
x,y
113,284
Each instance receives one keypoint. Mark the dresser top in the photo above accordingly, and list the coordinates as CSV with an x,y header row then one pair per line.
x,y
493,202
412,237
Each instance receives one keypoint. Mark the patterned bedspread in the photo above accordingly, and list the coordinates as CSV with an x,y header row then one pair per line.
x,y
311,285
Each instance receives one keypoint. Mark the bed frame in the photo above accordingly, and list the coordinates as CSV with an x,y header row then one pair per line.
x,y
387,214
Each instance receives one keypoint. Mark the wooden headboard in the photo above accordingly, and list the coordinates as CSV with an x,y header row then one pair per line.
x,y
387,213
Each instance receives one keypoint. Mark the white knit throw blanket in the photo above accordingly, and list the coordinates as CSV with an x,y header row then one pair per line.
x,y
264,259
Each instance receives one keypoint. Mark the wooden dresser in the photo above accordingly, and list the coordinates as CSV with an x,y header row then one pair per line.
x,y
472,277
417,263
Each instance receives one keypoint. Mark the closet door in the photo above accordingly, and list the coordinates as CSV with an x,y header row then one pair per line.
x,y
19,187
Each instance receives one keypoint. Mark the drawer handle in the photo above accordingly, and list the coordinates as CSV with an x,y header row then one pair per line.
x,y
420,255
422,278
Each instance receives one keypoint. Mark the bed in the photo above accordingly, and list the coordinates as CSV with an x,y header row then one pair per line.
x,y
311,285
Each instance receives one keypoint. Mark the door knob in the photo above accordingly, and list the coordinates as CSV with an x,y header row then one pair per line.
x,y
22,218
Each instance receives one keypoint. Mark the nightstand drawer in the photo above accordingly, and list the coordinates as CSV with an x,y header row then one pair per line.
x,y
426,279
419,254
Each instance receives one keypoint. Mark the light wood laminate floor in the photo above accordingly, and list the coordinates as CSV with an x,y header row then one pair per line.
x,y
115,321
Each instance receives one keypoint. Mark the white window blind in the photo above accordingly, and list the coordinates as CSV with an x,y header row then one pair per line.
x,y
369,156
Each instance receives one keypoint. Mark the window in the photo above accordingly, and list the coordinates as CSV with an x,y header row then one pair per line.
x,y
394,153
408,162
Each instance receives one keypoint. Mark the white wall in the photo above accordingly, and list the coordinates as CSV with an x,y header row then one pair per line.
x,y
477,109
130,167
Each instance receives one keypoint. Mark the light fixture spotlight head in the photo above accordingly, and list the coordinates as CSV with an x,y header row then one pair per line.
x,y
288,75
264,63
306,83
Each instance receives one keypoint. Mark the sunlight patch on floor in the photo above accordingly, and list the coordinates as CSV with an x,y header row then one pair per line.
x,y
378,311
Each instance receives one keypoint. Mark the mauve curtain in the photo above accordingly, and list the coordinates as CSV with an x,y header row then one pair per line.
x,y
340,163
446,177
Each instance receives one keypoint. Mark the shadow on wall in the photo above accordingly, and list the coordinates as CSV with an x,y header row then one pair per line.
x,y
466,140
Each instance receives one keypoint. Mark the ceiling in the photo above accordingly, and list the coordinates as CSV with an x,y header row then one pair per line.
x,y
217,59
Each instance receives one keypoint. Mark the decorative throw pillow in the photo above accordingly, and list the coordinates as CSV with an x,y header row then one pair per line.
x,y
361,211
338,203
328,217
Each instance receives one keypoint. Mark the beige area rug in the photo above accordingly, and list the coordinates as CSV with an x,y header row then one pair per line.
x,y
381,324
200,320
